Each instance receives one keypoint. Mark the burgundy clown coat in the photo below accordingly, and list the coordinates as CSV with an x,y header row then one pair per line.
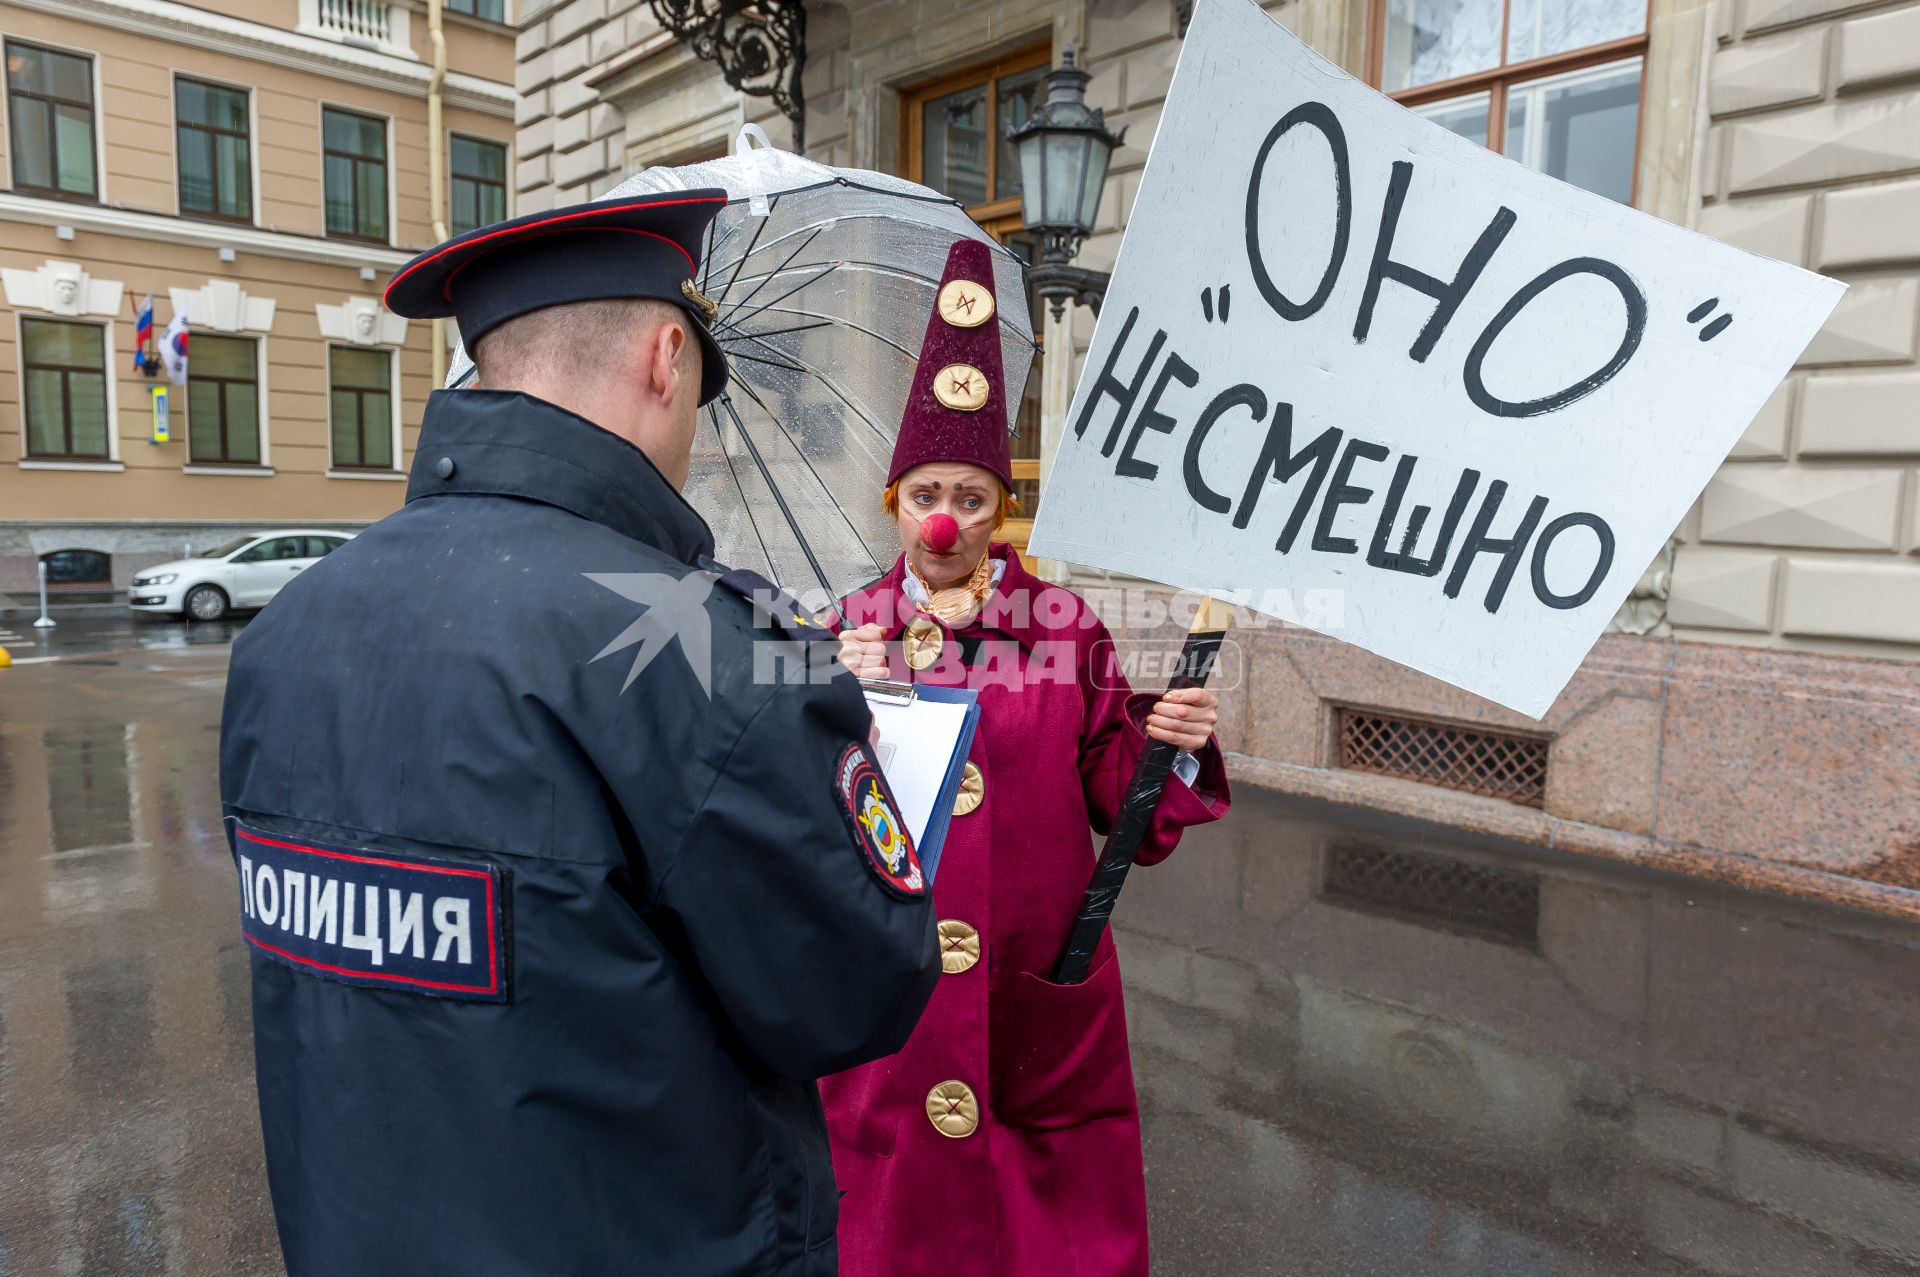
x,y
1004,1139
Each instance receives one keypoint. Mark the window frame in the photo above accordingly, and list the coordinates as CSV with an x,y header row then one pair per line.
x,y
388,214
7,94
106,372
1000,218
986,75
334,464
251,218
506,175
1497,80
257,381
453,6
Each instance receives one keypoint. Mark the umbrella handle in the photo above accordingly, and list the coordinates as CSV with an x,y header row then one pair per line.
x,y
1197,655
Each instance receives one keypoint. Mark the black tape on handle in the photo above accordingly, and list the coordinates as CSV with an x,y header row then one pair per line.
x,y
1136,813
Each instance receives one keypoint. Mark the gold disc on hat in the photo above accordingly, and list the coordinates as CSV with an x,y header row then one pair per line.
x,y
922,643
961,387
965,304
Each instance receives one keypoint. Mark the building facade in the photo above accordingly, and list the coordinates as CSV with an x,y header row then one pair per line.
x,y
261,169
1753,715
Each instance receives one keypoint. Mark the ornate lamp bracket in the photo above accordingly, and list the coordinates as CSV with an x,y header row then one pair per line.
x,y
759,46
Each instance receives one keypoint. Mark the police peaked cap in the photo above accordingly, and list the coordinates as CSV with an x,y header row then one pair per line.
x,y
644,246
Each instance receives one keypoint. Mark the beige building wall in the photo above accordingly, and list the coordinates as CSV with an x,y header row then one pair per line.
x,y
1808,537
1791,127
148,499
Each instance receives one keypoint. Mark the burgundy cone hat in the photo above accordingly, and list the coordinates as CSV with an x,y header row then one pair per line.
x,y
957,410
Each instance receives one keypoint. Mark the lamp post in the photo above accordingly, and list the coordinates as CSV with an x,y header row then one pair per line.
x,y
1064,150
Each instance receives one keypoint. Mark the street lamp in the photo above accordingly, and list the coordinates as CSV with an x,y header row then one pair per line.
x,y
1064,149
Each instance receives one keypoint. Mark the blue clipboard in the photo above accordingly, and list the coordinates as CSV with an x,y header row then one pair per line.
x,y
931,839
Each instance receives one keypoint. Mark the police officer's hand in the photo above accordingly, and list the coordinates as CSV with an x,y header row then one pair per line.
x,y
863,652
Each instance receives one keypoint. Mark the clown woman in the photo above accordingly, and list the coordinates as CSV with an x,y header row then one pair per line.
x,y
1004,1139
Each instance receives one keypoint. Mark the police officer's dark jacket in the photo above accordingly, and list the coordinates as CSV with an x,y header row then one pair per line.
x,y
544,959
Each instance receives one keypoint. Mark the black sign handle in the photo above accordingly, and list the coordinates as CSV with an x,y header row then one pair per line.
x,y
1142,799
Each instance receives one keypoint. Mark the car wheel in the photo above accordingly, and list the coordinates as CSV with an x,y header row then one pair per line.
x,y
206,603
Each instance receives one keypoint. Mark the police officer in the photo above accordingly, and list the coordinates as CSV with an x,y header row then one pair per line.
x,y
555,908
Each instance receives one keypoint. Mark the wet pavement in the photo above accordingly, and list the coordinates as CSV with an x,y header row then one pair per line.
x,y
1364,1046
87,631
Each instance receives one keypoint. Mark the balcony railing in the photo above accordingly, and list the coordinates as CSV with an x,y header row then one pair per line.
x,y
370,24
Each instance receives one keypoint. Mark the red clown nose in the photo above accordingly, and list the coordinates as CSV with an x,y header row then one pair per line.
x,y
939,533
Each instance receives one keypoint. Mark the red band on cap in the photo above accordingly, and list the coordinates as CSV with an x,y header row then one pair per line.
x,y
550,221
446,287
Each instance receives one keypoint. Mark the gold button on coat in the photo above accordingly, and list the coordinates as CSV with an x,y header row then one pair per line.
x,y
959,946
973,791
953,1110
961,387
965,304
922,642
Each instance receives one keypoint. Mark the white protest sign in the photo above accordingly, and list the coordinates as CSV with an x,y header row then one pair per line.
x,y
1350,357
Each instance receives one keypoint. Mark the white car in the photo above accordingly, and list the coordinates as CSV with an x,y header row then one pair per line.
x,y
243,573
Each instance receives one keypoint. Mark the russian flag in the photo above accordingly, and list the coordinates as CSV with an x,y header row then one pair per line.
x,y
142,333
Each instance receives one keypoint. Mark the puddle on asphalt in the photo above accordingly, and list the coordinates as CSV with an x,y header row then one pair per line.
x,y
1361,1048
1469,1063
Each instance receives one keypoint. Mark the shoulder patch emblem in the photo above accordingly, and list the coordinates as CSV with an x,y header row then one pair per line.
x,y
874,821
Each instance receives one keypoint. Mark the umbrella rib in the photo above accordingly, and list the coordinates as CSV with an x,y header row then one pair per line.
x,y
848,323
750,243
818,376
737,333
860,414
798,249
779,500
804,460
825,270
771,363
714,412
779,240
713,249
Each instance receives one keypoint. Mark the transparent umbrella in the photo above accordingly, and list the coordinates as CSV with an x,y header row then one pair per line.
x,y
825,278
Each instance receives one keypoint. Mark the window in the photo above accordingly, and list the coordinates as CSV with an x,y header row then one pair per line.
x,y
216,173
479,171
223,401
355,156
78,567
276,549
956,134
956,143
321,547
361,401
65,368
1554,84
50,121
491,10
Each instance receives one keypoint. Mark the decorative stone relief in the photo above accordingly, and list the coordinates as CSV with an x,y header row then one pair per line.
x,y
222,306
362,321
1645,611
62,288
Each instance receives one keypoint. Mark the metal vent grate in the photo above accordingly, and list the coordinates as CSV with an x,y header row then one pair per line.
x,y
1492,764
1494,904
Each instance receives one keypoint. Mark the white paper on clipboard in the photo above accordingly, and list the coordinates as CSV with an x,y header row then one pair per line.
x,y
918,739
